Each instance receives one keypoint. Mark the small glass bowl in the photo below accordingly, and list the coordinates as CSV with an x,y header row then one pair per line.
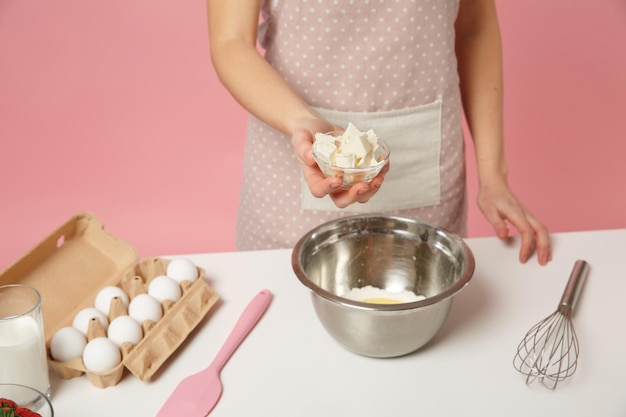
x,y
27,397
353,176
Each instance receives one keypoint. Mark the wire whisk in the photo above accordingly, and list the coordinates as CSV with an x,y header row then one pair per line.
x,y
549,351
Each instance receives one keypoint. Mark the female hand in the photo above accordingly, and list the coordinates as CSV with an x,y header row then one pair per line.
x,y
500,206
319,185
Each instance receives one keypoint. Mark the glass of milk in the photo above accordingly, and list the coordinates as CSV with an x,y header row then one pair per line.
x,y
22,343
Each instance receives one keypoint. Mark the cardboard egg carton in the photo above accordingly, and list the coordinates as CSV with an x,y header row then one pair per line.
x,y
80,258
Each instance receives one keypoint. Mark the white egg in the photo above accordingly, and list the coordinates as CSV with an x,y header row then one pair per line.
x,y
124,329
145,307
84,316
164,288
182,269
67,343
105,295
101,354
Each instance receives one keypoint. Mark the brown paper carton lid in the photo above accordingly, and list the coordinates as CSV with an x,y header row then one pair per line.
x,y
70,266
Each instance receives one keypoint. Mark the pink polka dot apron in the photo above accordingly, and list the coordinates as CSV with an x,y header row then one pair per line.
x,y
387,65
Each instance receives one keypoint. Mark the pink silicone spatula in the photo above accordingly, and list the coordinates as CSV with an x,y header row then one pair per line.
x,y
196,395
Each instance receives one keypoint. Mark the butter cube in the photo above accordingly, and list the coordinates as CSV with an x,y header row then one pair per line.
x,y
368,160
345,160
372,137
357,145
351,132
325,148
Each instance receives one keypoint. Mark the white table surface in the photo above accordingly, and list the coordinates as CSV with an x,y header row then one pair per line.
x,y
289,366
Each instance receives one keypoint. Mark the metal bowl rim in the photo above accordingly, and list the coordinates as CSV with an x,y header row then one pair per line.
x,y
319,291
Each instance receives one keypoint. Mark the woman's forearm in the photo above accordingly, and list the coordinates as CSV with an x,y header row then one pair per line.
x,y
479,54
250,79
258,87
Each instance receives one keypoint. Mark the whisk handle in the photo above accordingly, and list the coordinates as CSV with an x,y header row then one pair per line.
x,y
574,285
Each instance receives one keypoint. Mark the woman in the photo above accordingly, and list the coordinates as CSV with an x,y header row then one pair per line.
x,y
406,69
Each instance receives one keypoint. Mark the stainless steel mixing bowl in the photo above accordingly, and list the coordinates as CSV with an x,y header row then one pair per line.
x,y
391,253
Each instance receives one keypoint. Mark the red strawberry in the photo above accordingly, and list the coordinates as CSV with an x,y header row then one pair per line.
x,y
9,408
6,411
25,412
7,403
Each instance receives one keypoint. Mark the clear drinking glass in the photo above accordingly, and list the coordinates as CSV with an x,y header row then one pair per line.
x,y
23,358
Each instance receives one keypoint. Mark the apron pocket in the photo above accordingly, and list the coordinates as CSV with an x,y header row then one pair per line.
x,y
414,138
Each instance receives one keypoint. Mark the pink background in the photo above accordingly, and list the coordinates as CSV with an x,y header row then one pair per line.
x,y
113,107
